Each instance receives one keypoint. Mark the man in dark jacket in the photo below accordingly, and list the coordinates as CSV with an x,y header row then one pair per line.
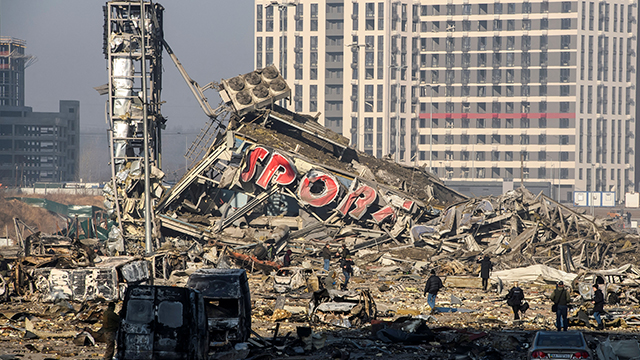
x,y
485,269
598,305
347,270
287,259
561,299
110,325
514,299
433,285
326,255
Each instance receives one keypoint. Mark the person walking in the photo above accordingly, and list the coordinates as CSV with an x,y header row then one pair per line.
x,y
110,325
486,266
343,252
514,299
287,258
598,305
433,285
561,299
347,270
326,255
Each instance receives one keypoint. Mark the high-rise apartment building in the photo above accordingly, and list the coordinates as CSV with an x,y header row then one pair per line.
x,y
34,146
475,90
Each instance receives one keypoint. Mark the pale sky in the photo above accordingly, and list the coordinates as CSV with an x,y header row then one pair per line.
x,y
212,38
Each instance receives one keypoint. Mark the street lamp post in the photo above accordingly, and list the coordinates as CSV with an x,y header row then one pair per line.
x,y
398,68
282,7
356,47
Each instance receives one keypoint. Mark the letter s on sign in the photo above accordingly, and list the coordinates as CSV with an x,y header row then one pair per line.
x,y
280,167
328,193
256,154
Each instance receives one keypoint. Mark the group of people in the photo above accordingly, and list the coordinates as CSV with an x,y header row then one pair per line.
x,y
346,266
516,300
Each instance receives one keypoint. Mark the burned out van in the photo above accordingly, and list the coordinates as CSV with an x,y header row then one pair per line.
x,y
162,322
227,303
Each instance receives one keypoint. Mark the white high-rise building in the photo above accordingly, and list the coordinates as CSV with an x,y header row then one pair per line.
x,y
480,90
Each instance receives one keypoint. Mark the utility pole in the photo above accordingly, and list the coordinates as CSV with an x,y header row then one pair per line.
x,y
359,123
147,174
521,169
431,130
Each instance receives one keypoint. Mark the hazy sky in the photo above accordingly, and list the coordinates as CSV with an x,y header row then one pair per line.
x,y
212,38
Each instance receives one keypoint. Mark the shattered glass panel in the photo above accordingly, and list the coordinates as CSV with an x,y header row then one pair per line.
x,y
170,314
139,311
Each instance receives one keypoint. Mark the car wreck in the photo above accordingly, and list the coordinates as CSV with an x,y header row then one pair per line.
x,y
342,308
294,278
162,322
227,303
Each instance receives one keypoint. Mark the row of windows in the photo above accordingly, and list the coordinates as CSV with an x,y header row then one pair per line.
x,y
524,89
525,43
495,8
495,25
523,123
500,156
523,139
524,60
496,107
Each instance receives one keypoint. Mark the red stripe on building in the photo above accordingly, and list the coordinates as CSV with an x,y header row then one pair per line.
x,y
497,116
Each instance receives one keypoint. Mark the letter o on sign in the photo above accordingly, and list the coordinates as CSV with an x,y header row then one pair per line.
x,y
318,188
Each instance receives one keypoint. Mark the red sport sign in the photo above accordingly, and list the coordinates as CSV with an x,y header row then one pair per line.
x,y
319,188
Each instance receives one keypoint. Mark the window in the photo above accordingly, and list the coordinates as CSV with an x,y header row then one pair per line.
x,y
466,9
314,17
511,8
566,24
482,43
451,9
482,25
511,25
542,155
510,59
258,17
497,25
544,24
566,7
526,8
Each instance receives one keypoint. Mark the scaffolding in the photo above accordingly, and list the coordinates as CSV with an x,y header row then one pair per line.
x,y
130,69
133,43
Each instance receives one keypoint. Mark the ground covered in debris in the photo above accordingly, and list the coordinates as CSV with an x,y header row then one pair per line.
x,y
472,324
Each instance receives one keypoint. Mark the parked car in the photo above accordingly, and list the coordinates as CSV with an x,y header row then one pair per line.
x,y
227,303
559,345
162,322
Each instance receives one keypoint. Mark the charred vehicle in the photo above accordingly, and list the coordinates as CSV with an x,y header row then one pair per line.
x,y
294,278
227,303
162,322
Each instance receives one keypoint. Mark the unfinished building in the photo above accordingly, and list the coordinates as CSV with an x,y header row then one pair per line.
x,y
34,146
